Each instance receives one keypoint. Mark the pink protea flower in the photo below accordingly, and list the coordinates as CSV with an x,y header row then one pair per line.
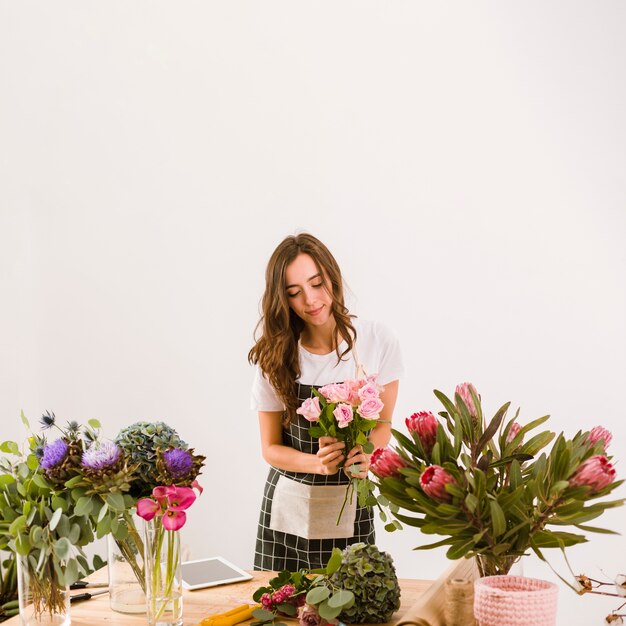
x,y
464,391
385,463
310,409
433,482
424,424
596,472
599,433
515,428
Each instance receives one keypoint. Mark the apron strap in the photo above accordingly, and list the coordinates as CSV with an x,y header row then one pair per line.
x,y
359,370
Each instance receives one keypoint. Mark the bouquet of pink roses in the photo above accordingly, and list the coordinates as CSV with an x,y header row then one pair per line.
x,y
347,411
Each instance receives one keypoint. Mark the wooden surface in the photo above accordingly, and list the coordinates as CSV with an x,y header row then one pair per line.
x,y
204,602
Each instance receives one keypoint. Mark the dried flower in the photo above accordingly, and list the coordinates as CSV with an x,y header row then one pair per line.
x,y
310,617
424,425
384,462
596,472
620,585
178,462
434,480
47,420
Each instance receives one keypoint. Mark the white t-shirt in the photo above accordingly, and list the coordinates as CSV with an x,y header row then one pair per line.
x,y
378,351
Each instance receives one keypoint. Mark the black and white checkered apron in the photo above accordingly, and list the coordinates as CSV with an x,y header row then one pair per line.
x,y
276,551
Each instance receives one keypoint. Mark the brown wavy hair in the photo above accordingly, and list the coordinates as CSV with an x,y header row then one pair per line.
x,y
276,350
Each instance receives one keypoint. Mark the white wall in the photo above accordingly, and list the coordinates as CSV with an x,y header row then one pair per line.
x,y
464,161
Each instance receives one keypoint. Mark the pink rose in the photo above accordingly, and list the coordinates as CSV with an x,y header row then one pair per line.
x,y
310,617
464,391
424,424
370,409
352,387
515,428
310,409
385,463
335,392
596,472
600,434
368,391
343,414
433,482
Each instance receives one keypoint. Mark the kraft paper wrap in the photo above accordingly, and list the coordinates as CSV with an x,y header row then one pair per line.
x,y
429,610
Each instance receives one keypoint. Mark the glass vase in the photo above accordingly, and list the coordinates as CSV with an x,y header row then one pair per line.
x,y
43,601
164,589
126,569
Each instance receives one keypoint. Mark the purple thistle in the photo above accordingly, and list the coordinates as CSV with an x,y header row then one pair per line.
x,y
53,454
178,462
101,456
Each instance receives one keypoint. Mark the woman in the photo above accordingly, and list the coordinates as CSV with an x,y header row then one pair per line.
x,y
310,339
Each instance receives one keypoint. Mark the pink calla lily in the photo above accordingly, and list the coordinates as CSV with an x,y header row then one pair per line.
x,y
174,519
147,508
160,494
181,498
196,485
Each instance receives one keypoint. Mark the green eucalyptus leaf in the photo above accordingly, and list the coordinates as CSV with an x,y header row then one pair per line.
x,y
84,506
334,562
317,595
262,615
341,598
62,548
56,516
287,609
94,423
328,612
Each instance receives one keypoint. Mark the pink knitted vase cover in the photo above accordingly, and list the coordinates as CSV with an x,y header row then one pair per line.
x,y
514,601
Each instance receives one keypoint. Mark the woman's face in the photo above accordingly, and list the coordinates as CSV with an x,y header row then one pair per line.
x,y
306,292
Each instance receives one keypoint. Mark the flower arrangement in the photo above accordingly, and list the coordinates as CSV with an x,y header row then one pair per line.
x,y
346,411
42,521
487,489
165,514
358,584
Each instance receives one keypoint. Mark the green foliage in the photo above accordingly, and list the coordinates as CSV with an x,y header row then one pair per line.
x,y
509,491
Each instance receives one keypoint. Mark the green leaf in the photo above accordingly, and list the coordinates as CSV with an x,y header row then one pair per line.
x,y
317,595
32,462
56,516
115,501
6,479
498,520
10,447
341,599
24,419
491,430
94,423
334,563
63,548
17,525
72,482
84,505
328,612
287,609
262,615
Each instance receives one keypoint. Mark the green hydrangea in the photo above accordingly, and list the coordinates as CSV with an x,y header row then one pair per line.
x,y
140,442
371,576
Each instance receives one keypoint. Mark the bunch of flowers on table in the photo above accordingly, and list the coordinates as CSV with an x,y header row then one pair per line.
x,y
347,411
42,517
488,487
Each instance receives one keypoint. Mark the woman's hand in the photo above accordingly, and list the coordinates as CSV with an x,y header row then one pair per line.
x,y
330,454
356,455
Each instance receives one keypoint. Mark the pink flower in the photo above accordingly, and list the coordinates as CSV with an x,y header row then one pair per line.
x,y
147,508
515,428
385,463
434,480
160,493
596,472
310,617
424,424
310,409
343,414
180,498
266,601
174,519
352,386
370,409
598,433
464,391
368,391
335,392
196,485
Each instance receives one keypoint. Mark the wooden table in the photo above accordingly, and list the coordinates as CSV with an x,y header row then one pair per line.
x,y
203,602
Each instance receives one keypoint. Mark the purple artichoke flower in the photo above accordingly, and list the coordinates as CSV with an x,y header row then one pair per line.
x,y
178,462
101,456
53,454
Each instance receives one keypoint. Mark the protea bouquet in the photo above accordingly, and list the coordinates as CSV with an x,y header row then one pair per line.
x,y
487,488
347,411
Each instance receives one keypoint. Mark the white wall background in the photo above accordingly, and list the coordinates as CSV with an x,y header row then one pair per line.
x,y
464,161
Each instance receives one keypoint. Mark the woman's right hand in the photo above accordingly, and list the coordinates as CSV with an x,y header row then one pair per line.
x,y
330,454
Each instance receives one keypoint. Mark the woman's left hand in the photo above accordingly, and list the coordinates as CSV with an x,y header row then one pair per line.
x,y
357,456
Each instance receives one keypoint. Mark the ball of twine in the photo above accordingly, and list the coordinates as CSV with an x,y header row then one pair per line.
x,y
459,605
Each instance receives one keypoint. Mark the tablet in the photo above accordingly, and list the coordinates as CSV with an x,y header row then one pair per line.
x,y
211,572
